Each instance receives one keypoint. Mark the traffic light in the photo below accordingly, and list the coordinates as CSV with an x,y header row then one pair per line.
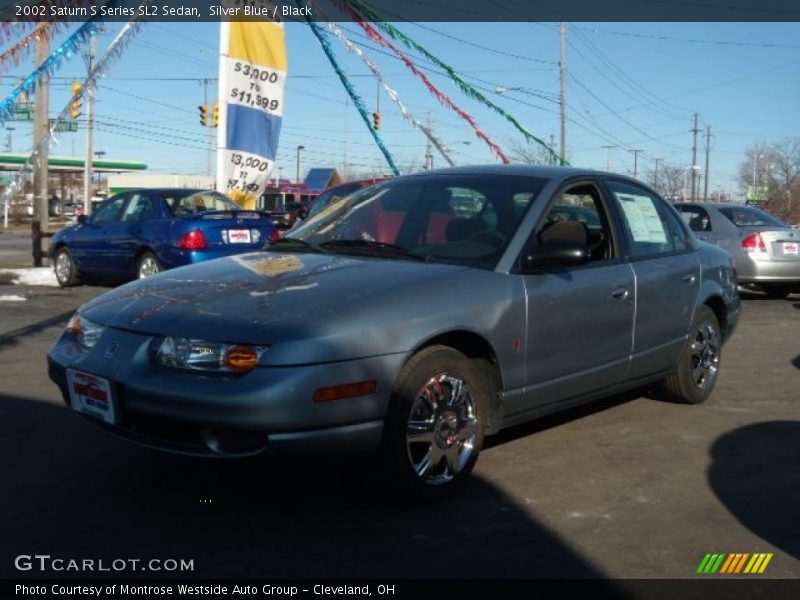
x,y
376,120
203,115
215,118
75,107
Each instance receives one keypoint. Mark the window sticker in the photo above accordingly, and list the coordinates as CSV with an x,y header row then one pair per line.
x,y
643,218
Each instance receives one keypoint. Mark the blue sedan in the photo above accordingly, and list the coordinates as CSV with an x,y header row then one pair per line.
x,y
141,232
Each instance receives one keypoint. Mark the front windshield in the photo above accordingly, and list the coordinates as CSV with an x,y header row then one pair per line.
x,y
325,199
456,219
198,202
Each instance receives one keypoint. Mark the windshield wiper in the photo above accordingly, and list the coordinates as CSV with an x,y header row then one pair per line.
x,y
371,248
299,245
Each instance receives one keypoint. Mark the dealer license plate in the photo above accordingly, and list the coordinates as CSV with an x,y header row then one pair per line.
x,y
91,395
790,248
239,236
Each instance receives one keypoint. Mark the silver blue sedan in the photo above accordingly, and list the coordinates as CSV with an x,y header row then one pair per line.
x,y
408,321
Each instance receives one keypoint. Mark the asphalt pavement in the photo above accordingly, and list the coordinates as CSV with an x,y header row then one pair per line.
x,y
628,488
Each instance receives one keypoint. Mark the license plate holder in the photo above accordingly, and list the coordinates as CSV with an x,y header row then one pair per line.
x,y
91,395
239,236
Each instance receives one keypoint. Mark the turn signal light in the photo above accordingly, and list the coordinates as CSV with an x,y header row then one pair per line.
x,y
349,390
194,240
241,358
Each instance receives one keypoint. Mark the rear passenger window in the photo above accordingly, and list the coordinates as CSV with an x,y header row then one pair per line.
x,y
695,217
645,224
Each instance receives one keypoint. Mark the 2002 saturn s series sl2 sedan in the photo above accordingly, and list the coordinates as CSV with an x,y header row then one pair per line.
x,y
407,321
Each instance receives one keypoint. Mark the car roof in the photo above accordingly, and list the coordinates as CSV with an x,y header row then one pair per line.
x,y
544,171
173,190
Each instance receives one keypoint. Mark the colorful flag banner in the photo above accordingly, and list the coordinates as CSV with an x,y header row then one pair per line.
x,y
252,78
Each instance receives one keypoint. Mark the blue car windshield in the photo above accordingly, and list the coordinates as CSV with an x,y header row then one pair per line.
x,y
198,202
466,219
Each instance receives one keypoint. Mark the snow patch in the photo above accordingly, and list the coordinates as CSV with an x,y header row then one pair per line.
x,y
13,298
32,276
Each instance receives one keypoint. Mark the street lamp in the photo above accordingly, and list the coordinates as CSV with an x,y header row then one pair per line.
x,y
297,179
9,142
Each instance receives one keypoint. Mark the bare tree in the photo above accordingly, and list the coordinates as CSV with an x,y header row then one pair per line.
x,y
774,171
670,181
530,154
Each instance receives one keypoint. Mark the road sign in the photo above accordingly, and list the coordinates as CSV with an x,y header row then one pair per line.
x,y
20,114
64,125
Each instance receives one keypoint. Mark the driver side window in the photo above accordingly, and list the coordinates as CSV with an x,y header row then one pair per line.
x,y
109,211
577,215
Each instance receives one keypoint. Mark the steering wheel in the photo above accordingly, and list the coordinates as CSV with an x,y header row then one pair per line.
x,y
492,238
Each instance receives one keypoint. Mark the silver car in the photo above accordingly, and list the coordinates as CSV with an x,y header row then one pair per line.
x,y
766,250
405,324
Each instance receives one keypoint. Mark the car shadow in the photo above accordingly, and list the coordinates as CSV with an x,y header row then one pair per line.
x,y
13,338
74,491
756,474
564,416
796,361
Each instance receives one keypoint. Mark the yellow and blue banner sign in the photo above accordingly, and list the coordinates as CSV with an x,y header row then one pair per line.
x,y
252,78
734,563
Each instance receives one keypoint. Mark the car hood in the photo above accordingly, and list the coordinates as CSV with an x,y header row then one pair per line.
x,y
346,306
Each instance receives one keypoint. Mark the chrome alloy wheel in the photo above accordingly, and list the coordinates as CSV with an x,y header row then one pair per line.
x,y
148,267
705,355
63,267
442,429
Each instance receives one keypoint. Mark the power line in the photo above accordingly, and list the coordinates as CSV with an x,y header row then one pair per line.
x,y
690,40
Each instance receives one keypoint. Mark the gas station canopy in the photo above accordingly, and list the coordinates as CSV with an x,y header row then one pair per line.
x,y
13,162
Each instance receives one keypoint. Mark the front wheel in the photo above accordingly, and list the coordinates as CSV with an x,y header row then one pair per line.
x,y
64,267
435,425
698,365
148,265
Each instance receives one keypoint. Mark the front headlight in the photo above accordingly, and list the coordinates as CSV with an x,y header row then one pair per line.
x,y
84,333
199,355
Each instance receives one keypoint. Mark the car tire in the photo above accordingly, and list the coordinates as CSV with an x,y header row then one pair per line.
x,y
777,291
64,267
435,426
698,365
148,265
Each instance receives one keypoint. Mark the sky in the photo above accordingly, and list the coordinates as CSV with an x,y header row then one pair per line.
x,y
629,85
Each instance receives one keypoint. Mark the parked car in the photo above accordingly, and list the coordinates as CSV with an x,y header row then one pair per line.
x,y
338,192
766,250
141,232
389,326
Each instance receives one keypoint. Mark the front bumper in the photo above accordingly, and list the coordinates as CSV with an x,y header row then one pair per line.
x,y
269,409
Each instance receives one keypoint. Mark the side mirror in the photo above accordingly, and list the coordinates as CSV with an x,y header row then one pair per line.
x,y
81,219
555,253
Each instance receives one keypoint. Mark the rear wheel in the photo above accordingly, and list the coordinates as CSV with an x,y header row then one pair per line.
x,y
698,364
64,267
777,291
147,265
435,426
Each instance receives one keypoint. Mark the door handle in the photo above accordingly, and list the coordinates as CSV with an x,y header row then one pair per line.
x,y
688,279
620,293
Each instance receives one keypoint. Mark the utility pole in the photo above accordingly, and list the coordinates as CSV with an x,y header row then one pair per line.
x,y
41,129
563,68
608,150
551,159
655,173
428,148
209,125
708,162
87,171
635,161
695,130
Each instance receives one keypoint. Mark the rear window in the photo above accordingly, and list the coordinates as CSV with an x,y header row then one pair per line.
x,y
199,202
748,216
